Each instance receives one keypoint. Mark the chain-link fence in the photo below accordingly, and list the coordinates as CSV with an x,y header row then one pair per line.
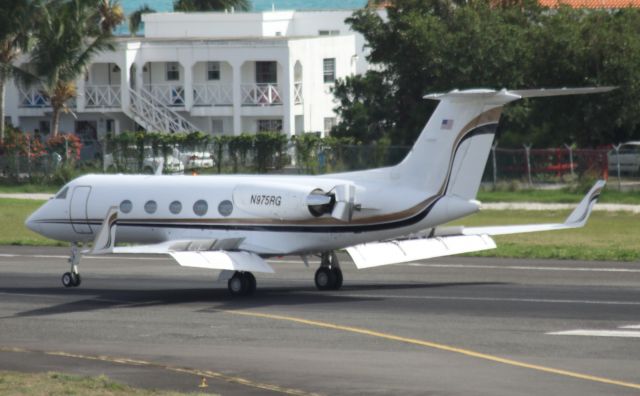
x,y
527,166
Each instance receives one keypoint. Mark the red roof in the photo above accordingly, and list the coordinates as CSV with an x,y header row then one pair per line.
x,y
591,3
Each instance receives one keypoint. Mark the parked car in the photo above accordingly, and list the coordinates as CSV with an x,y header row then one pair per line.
x,y
629,157
195,159
128,162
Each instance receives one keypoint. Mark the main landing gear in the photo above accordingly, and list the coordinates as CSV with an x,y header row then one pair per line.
x,y
242,284
329,275
72,278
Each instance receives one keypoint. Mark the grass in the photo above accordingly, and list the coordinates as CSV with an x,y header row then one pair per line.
x,y
558,196
54,384
13,213
28,188
607,235
611,236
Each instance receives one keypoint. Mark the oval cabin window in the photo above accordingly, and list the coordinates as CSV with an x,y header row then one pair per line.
x,y
126,206
151,207
175,207
200,207
225,208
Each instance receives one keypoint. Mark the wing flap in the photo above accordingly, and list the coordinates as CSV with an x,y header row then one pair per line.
x,y
222,260
369,255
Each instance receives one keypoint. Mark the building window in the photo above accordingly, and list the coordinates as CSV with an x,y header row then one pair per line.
x,y
217,126
269,125
329,69
45,127
173,71
126,206
213,71
328,32
329,123
175,207
151,207
200,207
266,72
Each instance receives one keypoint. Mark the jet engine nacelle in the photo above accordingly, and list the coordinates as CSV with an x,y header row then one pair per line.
x,y
295,202
291,202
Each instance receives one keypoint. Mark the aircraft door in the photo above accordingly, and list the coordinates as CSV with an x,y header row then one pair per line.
x,y
78,210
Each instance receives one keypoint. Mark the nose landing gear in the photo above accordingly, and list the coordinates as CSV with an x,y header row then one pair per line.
x,y
329,275
72,278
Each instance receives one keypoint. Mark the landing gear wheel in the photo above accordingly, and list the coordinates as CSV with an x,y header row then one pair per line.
x,y
242,284
68,280
338,275
76,279
325,278
251,283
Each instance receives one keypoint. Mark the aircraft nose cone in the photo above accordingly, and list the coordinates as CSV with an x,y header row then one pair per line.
x,y
32,223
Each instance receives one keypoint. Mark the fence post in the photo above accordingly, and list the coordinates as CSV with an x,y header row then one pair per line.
x,y
495,166
527,152
617,149
570,159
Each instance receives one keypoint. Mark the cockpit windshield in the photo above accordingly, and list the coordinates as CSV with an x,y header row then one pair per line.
x,y
62,194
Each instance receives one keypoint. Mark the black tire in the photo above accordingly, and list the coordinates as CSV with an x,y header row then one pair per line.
x,y
238,285
77,280
251,283
68,279
325,278
338,274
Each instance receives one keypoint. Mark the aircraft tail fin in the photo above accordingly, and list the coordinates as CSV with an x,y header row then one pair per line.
x,y
450,154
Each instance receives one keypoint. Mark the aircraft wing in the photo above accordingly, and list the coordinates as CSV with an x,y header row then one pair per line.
x,y
577,218
218,254
456,240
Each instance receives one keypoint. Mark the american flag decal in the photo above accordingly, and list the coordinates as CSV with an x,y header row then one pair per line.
x,y
446,124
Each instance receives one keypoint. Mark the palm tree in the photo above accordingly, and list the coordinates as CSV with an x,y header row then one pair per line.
x,y
68,35
16,21
135,18
111,14
211,5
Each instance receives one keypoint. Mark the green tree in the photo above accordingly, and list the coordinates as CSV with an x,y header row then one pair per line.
x,y
135,18
211,5
437,45
16,22
69,34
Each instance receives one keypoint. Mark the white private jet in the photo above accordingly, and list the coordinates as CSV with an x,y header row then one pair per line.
x,y
233,222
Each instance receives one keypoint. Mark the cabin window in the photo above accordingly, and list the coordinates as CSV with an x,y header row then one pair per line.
x,y
62,194
200,207
151,207
126,206
175,207
225,208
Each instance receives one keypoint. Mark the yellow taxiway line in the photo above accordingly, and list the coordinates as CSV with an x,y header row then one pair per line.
x,y
434,345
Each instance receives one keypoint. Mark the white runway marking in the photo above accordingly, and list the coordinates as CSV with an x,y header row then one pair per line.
x,y
627,332
491,299
599,333
524,268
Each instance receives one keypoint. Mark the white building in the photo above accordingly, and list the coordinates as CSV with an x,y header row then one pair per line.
x,y
221,73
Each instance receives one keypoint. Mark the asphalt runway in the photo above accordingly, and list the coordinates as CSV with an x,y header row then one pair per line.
x,y
454,326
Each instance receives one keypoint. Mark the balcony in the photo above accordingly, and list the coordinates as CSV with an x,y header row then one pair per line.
x,y
260,94
102,96
168,94
297,93
33,98
213,95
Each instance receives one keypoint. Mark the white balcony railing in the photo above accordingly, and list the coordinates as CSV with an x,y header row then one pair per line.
x,y
102,96
168,94
297,93
212,95
33,97
260,94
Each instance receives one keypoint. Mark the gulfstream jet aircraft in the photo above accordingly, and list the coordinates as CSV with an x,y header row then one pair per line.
x,y
232,223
